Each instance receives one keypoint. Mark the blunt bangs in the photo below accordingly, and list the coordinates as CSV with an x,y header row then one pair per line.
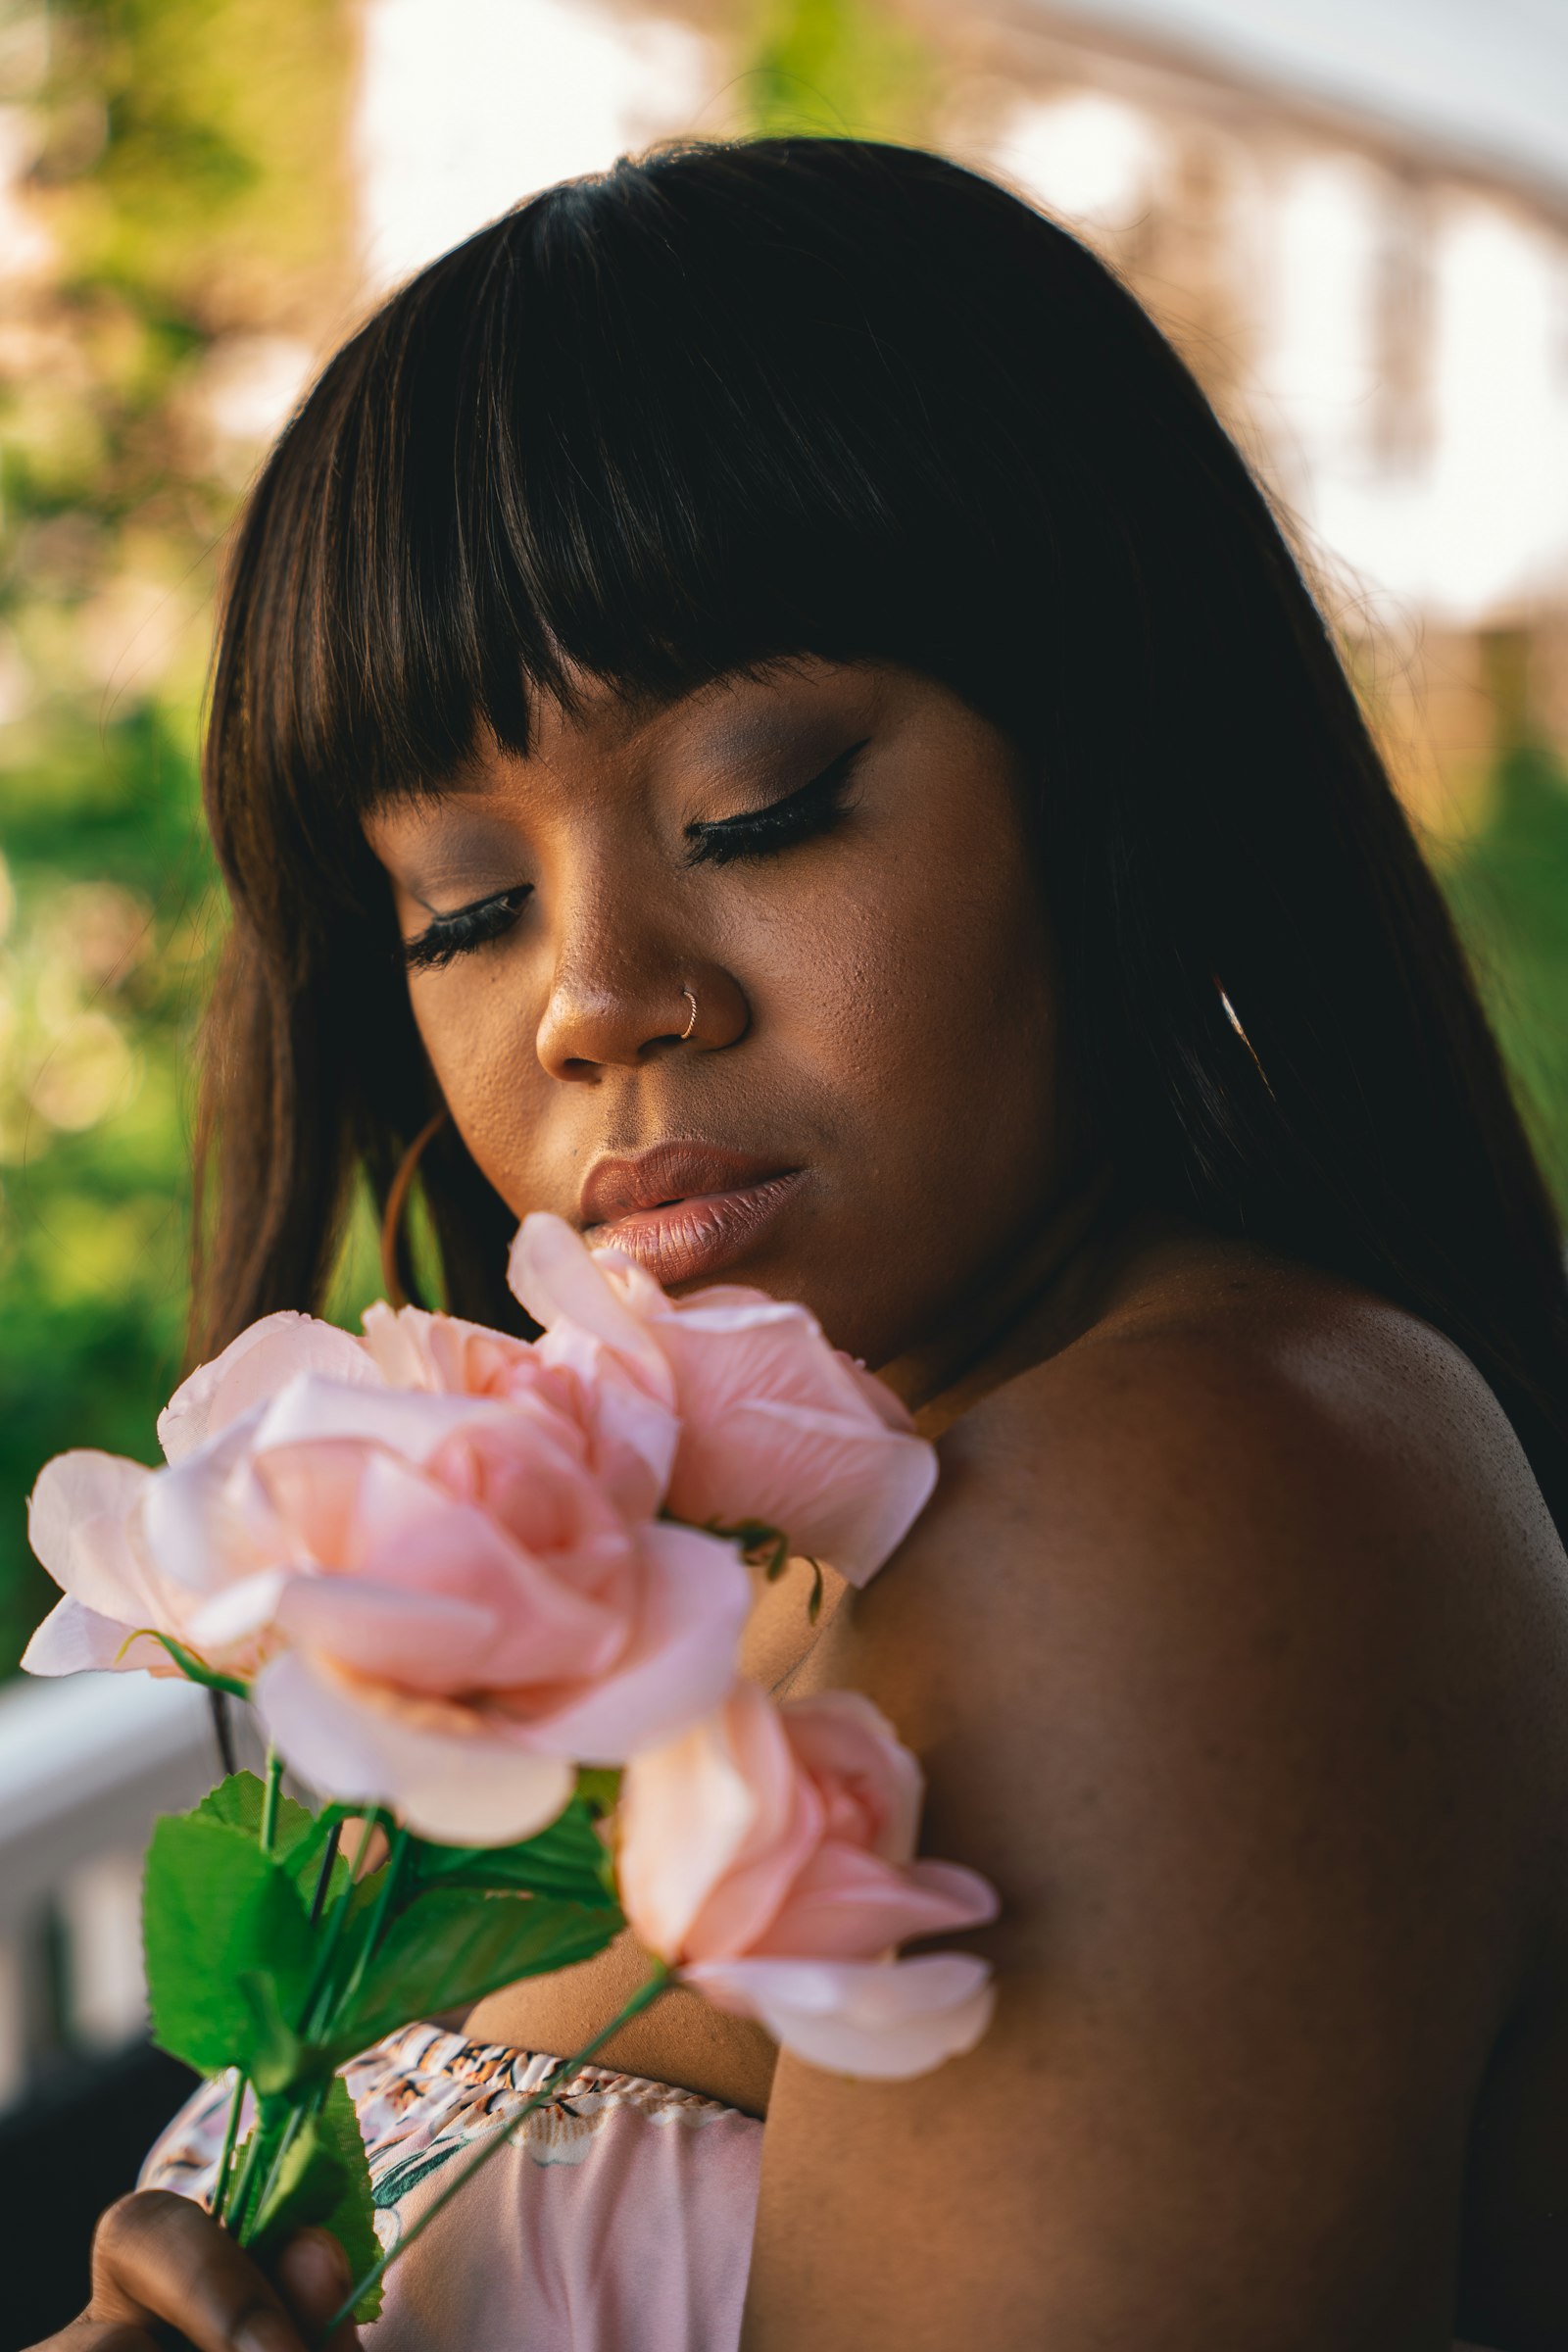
x,y
649,428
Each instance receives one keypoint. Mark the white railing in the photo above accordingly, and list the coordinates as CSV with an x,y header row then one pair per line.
x,y
86,1764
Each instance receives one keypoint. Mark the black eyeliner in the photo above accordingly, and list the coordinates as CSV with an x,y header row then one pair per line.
x,y
808,809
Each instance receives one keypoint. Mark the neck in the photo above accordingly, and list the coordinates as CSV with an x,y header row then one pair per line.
x,y
1043,1297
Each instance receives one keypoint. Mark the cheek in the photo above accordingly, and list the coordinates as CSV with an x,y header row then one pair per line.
x,y
936,996
482,1054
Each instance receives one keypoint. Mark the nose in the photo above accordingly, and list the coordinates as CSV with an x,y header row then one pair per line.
x,y
620,1002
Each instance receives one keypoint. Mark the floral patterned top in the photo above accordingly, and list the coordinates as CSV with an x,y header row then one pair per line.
x,y
618,2220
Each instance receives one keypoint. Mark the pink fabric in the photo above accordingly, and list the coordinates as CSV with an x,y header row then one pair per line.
x,y
620,2219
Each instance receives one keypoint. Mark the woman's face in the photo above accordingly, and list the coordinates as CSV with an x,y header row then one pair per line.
x,y
832,862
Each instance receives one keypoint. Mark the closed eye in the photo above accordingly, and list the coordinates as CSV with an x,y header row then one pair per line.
x,y
465,928
800,816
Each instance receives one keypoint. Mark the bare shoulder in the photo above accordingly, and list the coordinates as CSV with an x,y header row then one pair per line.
x,y
1231,1645
1259,1554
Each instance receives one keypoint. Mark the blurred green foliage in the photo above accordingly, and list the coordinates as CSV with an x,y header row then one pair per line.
x,y
1508,888
839,68
185,194
188,179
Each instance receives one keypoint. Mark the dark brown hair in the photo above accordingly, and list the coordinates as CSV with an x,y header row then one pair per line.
x,y
732,401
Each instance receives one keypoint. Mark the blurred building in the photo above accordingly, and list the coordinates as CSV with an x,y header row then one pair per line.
x,y
1353,220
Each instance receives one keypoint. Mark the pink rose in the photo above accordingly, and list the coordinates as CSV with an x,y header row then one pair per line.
x,y
774,1424
628,1434
252,1369
410,1348
440,1605
627,1390
768,1853
85,1516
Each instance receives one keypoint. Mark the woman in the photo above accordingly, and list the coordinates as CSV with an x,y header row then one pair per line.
x,y
759,711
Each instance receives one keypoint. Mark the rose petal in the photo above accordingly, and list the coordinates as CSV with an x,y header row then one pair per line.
x,y
714,1827
784,1834
681,1658
312,1489
412,1422
684,1814
890,1410
413,1349
79,1523
844,1491
545,1628
422,1641
889,2018
631,1435
199,1516
74,1639
721,1350
847,1904
863,1769
238,1613
536,1492
461,1788
554,1275
252,1369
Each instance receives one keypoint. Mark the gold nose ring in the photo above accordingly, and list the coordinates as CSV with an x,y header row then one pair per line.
x,y
692,1023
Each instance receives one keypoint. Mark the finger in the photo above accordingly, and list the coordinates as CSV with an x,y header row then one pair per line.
x,y
314,2276
157,2256
93,2335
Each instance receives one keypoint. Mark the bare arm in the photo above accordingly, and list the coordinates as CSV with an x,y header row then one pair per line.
x,y
1194,1684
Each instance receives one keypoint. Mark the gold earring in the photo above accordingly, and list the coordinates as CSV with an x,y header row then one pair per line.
x,y
1230,1016
395,1201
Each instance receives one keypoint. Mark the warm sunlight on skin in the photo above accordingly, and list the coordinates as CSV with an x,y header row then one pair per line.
x,y
869,966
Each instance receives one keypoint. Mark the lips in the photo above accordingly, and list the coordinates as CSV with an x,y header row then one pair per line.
x,y
684,1209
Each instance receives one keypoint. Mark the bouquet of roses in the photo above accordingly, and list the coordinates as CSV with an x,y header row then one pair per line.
x,y
486,1596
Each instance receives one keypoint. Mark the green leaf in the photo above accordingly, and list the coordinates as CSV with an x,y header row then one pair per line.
x,y
452,1947
237,1804
300,1837
568,1859
324,2183
352,2219
279,2060
213,1908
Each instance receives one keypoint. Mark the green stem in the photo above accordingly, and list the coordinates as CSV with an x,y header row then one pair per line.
x,y
319,2001
390,1875
226,2159
640,1999
268,1838
334,1925
239,2205
323,1876
270,1794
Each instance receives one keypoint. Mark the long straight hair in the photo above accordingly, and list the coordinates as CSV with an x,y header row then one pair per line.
x,y
734,401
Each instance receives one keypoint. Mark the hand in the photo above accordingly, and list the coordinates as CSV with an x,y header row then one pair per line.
x,y
160,2263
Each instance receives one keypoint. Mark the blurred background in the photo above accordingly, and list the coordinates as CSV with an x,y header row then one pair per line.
x,y
1351,214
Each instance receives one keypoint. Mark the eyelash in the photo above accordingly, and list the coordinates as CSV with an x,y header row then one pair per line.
x,y
803,815
465,929
814,809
